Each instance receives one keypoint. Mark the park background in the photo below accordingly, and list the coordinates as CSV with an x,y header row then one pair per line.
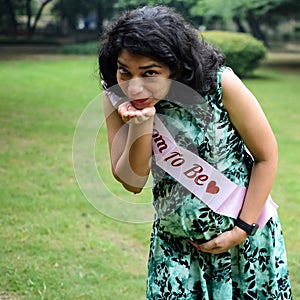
x,y
53,243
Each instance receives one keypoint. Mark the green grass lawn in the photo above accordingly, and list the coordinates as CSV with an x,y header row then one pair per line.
x,y
53,243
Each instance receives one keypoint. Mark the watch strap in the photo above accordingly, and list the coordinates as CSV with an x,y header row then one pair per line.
x,y
249,228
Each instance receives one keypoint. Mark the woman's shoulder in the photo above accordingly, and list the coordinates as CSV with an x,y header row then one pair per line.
x,y
221,72
224,76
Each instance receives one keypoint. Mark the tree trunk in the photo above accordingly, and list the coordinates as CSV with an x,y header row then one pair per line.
x,y
29,15
100,19
255,28
238,23
37,17
12,14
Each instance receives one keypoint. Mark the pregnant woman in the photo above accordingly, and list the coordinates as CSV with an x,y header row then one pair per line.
x,y
160,77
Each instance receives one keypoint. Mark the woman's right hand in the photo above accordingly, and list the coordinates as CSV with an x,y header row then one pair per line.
x,y
132,115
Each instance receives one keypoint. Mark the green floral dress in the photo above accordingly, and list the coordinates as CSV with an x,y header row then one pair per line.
x,y
255,269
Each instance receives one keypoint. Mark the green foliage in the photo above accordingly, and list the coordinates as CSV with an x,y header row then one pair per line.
x,y
71,10
243,52
213,8
184,7
252,13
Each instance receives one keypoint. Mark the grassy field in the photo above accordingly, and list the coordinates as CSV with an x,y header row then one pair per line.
x,y
53,243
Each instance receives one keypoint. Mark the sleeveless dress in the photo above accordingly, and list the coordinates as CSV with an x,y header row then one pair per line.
x,y
255,269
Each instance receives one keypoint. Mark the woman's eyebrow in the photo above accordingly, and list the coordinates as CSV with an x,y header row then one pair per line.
x,y
141,67
120,63
150,66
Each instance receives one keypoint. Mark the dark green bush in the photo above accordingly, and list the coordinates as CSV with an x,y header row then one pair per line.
x,y
83,48
243,52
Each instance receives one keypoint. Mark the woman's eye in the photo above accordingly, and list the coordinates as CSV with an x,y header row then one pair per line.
x,y
150,73
122,70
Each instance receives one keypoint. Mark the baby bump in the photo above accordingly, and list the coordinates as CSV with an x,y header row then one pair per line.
x,y
193,220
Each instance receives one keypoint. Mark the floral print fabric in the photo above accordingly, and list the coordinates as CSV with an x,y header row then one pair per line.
x,y
255,269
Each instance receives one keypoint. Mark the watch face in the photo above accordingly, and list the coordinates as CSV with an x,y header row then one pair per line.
x,y
250,229
254,229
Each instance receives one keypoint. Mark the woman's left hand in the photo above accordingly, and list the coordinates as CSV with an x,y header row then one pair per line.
x,y
223,242
132,115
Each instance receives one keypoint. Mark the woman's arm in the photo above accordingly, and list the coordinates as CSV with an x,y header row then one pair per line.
x,y
248,118
251,123
130,148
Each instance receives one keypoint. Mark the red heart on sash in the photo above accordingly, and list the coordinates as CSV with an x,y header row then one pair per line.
x,y
212,188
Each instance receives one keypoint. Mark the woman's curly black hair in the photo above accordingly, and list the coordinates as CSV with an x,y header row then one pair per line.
x,y
162,34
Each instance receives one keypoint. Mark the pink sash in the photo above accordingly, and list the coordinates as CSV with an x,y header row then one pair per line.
x,y
200,178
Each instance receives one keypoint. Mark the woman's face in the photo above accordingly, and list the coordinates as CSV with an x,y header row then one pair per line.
x,y
143,80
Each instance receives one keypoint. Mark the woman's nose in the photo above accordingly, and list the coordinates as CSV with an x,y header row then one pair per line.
x,y
135,86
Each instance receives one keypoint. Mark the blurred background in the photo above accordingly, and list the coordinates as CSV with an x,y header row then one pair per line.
x,y
275,22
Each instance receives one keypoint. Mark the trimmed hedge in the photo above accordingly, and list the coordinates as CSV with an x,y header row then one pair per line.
x,y
90,48
7,41
243,52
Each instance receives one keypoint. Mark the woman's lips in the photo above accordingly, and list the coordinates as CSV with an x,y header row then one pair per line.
x,y
139,102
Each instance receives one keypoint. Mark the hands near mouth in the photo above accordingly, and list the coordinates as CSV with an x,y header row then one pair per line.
x,y
132,115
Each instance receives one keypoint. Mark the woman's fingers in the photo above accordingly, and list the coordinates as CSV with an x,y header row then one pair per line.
x,y
131,115
222,242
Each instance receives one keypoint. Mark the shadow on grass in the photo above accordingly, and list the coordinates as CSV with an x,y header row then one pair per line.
x,y
283,61
264,76
277,63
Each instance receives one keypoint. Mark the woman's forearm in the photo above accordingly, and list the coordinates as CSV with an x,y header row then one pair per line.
x,y
133,166
261,180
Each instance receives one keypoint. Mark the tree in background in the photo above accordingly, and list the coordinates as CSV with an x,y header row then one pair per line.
x,y
182,6
245,14
288,10
34,16
105,11
31,9
8,17
70,11
252,16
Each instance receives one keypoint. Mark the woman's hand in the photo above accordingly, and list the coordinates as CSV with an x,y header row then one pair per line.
x,y
131,115
223,242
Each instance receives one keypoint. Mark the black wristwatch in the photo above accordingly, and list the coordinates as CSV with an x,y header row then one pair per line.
x,y
249,228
